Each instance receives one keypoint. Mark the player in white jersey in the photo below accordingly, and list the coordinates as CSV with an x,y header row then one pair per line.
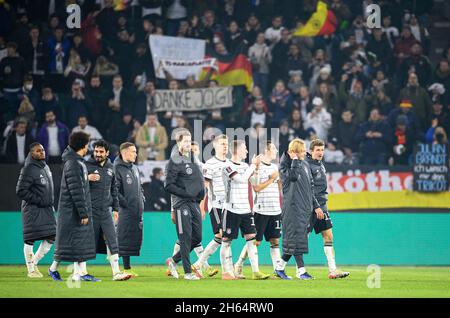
x,y
267,207
213,174
237,213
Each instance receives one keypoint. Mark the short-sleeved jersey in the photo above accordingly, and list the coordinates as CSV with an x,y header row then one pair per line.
x,y
236,192
212,172
267,201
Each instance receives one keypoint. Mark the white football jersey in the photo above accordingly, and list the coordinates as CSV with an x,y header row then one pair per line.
x,y
267,201
212,171
237,191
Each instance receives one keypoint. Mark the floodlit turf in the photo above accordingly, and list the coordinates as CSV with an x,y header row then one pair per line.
x,y
152,282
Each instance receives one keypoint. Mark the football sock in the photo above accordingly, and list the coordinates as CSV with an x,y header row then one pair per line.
x,y
54,266
226,258
301,270
210,249
176,248
82,267
243,256
28,253
76,270
114,261
253,255
43,249
275,254
199,250
329,252
126,262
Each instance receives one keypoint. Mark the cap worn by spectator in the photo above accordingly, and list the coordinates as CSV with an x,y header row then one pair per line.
x,y
438,87
325,70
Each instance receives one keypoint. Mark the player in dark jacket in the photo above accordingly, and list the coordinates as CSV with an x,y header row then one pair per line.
x,y
298,205
35,188
131,205
184,181
102,182
75,240
323,226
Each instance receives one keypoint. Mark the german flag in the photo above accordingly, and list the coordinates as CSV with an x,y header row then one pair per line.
x,y
233,69
322,22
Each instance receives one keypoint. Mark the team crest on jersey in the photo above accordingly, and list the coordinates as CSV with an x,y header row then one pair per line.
x,y
43,180
228,231
228,169
129,181
188,169
185,212
110,172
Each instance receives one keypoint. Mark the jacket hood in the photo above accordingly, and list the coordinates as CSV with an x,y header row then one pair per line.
x,y
285,159
30,161
120,162
70,154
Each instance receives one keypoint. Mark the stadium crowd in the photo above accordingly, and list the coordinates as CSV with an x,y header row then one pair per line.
x,y
370,93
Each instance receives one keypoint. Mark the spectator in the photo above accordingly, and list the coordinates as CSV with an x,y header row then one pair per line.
x,y
295,82
78,46
418,63
442,76
48,102
27,112
18,143
260,57
151,140
257,115
97,96
390,31
88,129
402,47
403,142
412,120
159,199
76,69
345,133
381,82
356,102
303,101
330,101
442,117
250,100
280,102
273,33
378,45
35,54
59,48
106,20
296,123
279,57
91,35
252,29
28,91
120,102
233,36
436,134
418,96
319,119
76,106
322,77
53,136
420,33
332,155
374,137
176,12
105,68
122,50
12,72
294,61
144,101
121,130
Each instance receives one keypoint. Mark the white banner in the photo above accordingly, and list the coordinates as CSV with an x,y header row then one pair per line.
x,y
193,99
181,69
172,49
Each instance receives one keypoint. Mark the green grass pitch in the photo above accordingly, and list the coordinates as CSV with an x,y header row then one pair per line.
x,y
152,282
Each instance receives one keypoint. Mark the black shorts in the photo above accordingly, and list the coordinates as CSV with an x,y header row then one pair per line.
x,y
232,222
268,226
320,225
216,220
